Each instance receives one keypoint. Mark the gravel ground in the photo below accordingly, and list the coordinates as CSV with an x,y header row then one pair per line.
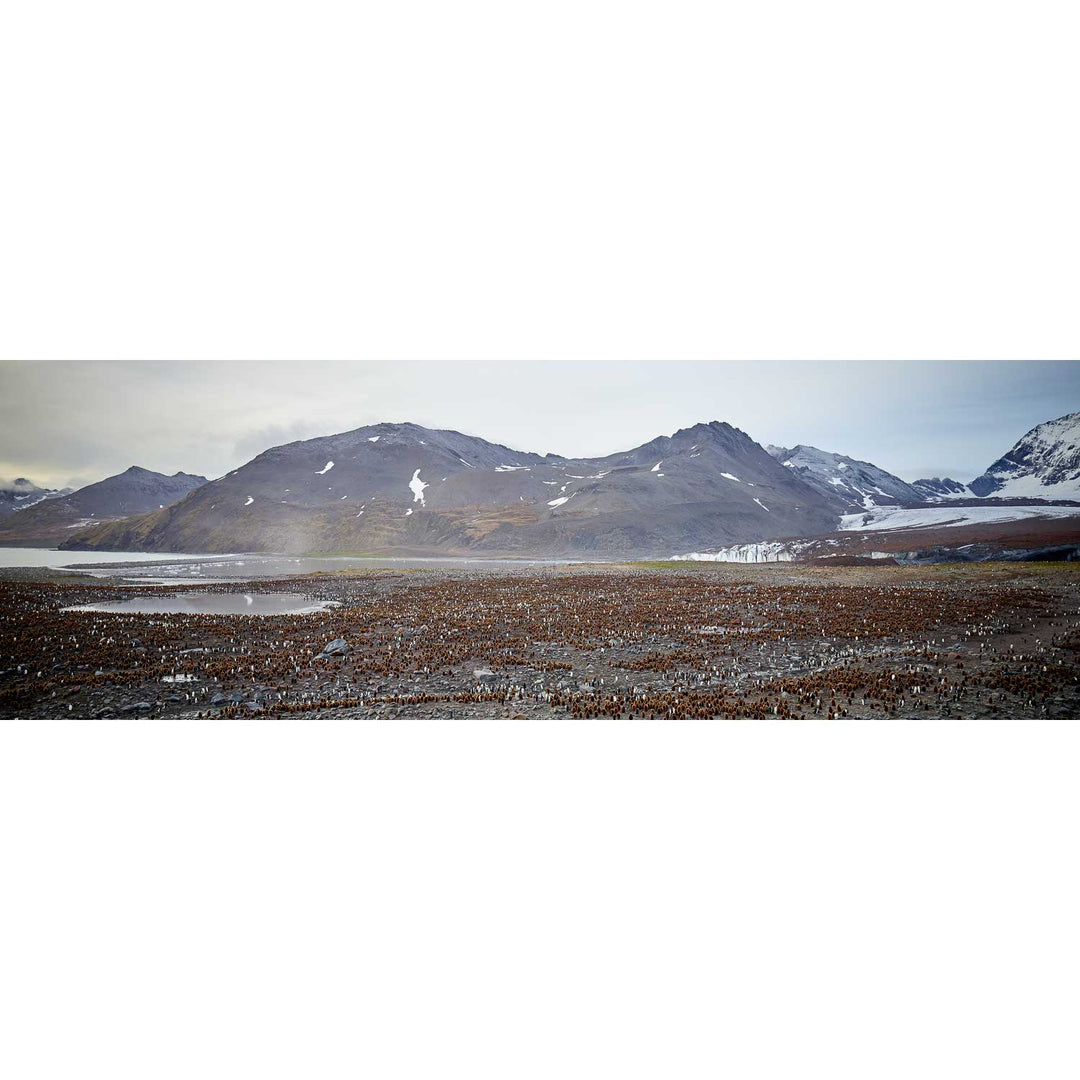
x,y
662,641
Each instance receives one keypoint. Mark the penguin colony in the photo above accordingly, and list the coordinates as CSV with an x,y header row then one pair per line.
x,y
695,642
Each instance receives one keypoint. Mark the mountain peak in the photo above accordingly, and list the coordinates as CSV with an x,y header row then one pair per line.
x,y
709,429
1044,463
858,483
20,494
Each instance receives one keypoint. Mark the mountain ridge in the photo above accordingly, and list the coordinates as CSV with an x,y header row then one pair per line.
x,y
401,488
860,484
21,493
133,491
395,487
1043,463
940,487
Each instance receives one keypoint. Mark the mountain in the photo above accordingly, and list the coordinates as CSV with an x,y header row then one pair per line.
x,y
858,484
940,487
1044,464
132,492
402,488
21,494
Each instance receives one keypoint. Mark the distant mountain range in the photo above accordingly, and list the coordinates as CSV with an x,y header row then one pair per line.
x,y
858,483
50,520
938,488
1044,464
21,494
407,489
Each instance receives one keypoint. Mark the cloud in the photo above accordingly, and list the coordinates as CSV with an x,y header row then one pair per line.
x,y
255,441
75,422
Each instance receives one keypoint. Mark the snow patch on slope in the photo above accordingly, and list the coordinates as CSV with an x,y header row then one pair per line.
x,y
416,486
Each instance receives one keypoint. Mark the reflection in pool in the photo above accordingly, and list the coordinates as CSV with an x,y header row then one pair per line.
x,y
213,604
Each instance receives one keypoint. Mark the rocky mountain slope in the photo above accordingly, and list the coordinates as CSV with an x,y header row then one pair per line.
x,y
859,484
21,494
941,487
135,491
1044,464
402,488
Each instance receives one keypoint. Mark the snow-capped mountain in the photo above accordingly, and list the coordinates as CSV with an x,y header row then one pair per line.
x,y
131,492
406,488
399,488
20,494
941,487
857,483
1044,464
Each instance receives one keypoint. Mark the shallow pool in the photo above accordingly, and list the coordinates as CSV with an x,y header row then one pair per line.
x,y
213,604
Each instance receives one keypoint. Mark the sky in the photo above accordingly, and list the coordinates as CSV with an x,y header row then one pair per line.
x,y
68,423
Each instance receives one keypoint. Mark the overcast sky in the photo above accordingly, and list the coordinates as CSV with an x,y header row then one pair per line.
x,y
71,423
